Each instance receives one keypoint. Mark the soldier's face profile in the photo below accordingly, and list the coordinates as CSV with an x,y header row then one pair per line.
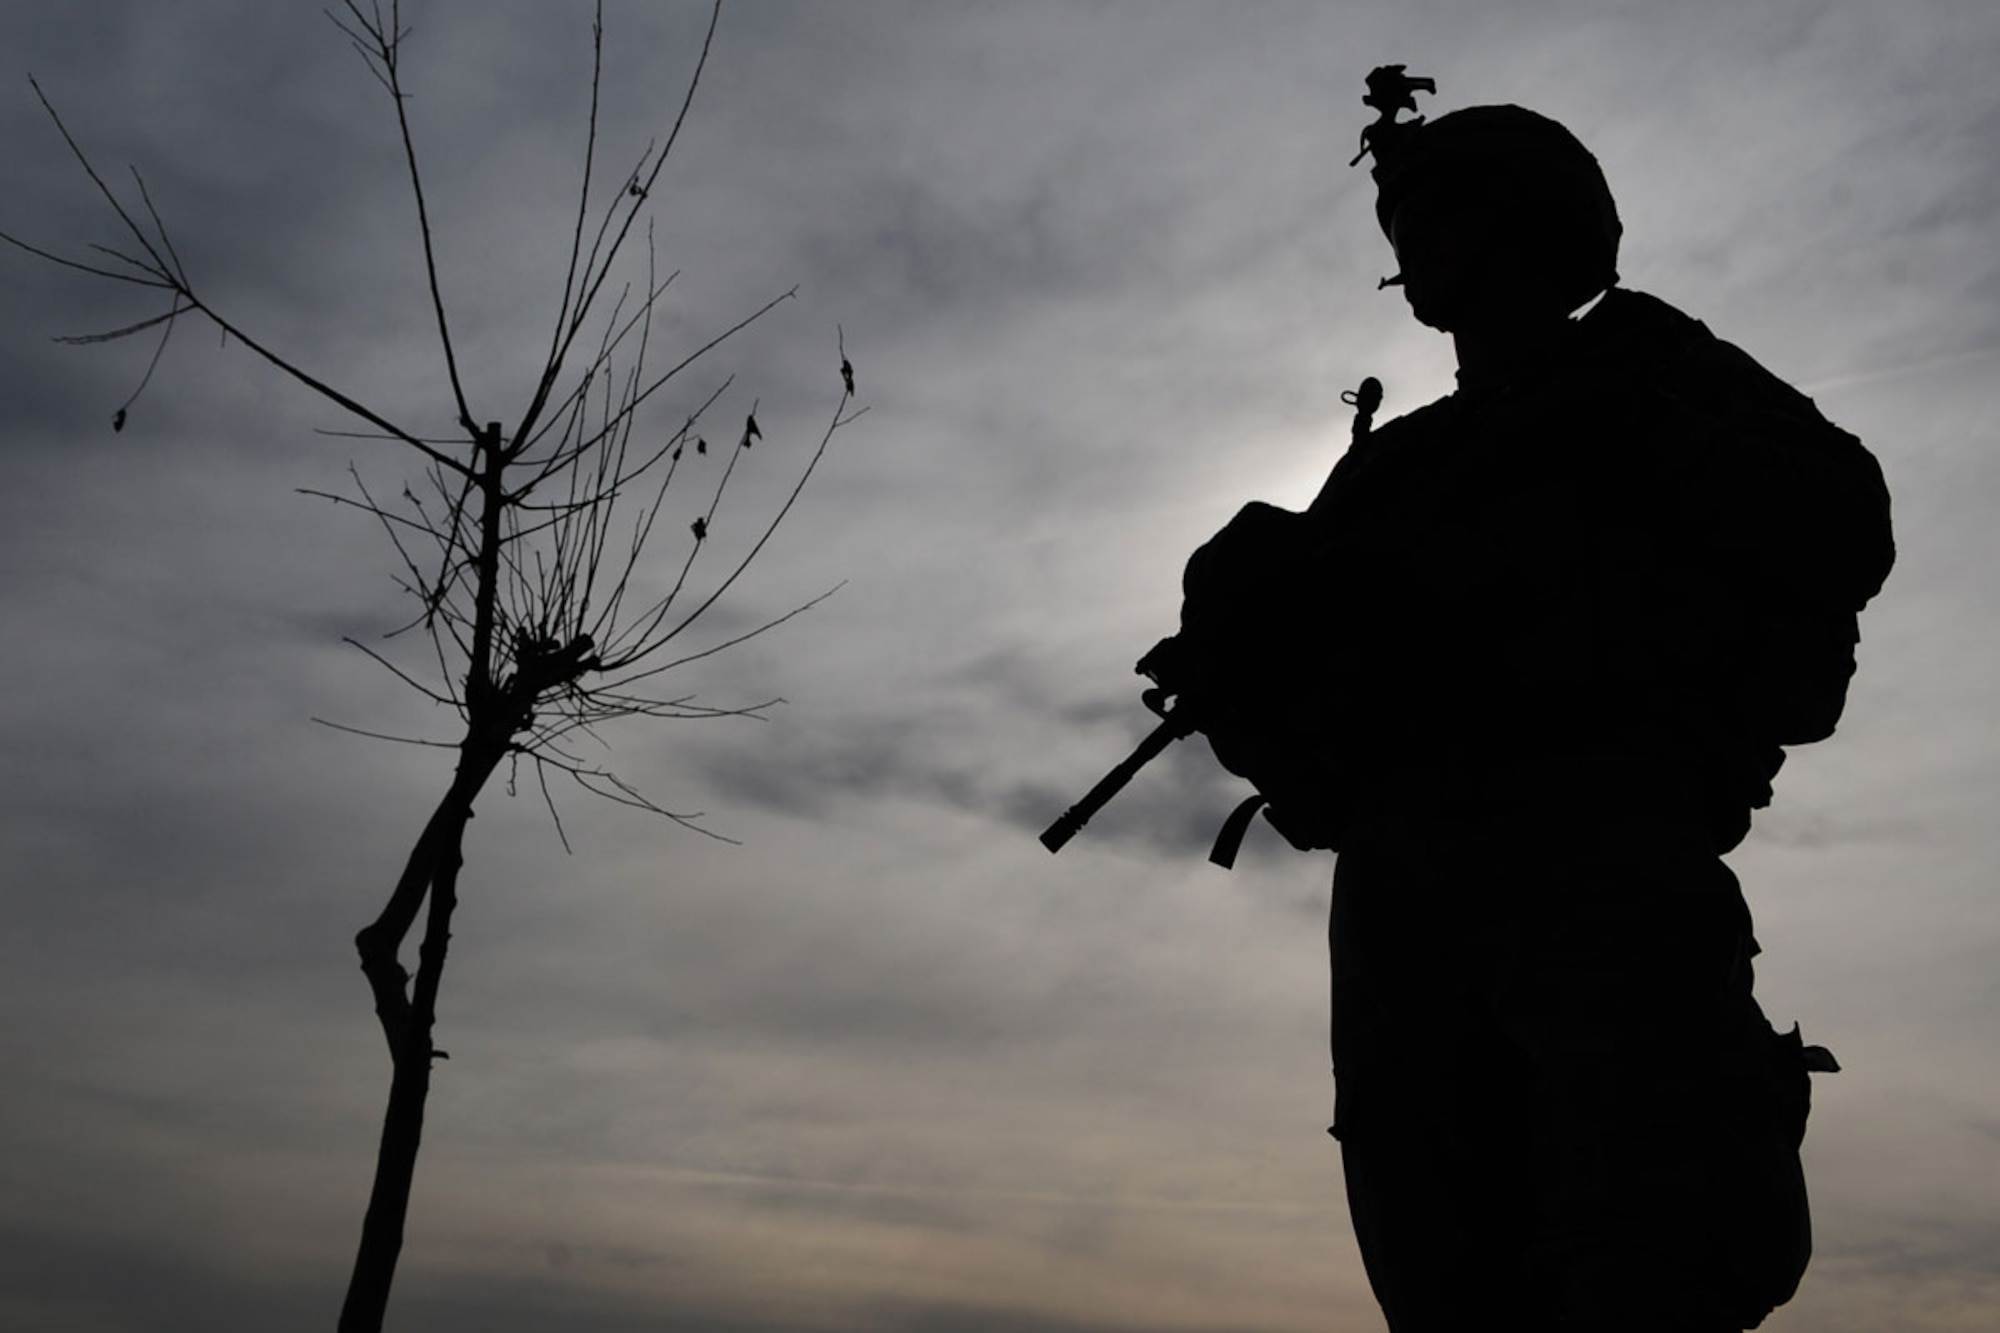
x,y
1469,262
1444,243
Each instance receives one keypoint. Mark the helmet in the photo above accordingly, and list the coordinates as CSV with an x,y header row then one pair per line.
x,y
1553,193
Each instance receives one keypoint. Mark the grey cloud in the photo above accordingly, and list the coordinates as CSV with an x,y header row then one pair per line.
x,y
57,1279
943,753
1926,1250
1103,274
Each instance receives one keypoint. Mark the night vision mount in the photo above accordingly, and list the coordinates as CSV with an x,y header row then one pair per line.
x,y
1390,90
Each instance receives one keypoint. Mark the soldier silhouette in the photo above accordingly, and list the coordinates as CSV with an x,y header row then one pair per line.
x,y
1528,664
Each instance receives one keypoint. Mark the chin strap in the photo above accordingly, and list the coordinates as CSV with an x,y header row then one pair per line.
x,y
1229,838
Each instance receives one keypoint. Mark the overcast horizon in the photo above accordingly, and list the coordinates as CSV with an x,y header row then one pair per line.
x,y
883,1063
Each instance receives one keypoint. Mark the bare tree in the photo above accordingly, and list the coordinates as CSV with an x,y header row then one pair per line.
x,y
527,548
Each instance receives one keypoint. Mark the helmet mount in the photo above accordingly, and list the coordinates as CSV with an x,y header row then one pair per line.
x,y
1390,90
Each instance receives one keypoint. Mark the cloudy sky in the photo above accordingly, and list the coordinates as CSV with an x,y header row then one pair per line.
x,y
886,1064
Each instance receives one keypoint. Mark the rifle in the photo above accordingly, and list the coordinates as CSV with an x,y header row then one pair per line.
x,y
1180,715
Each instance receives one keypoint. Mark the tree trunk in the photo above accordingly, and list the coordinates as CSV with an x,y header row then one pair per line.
x,y
409,1089
407,1021
491,711
389,1201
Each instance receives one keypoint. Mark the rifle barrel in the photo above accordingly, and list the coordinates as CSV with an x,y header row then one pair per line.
x,y
1172,728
